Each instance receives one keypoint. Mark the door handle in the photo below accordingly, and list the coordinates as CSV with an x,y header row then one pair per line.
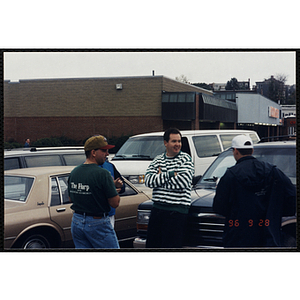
x,y
60,209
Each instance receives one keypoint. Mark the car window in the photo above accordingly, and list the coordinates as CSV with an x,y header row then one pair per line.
x,y
226,140
141,148
254,138
74,159
185,147
55,195
59,190
11,163
17,187
207,145
63,183
43,161
129,191
284,159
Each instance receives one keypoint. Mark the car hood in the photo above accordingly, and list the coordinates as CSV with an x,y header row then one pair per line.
x,y
131,167
199,198
203,197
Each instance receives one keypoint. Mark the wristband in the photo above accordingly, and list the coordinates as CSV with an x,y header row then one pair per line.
x,y
172,174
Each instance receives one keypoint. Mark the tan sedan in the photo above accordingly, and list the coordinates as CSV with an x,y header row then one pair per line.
x,y
38,213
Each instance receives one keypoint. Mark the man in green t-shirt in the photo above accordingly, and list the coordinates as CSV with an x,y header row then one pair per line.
x,y
92,192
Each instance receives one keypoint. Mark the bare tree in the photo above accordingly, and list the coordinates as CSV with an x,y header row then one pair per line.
x,y
277,88
182,78
281,77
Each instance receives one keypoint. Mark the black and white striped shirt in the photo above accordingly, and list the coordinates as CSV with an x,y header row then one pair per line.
x,y
171,187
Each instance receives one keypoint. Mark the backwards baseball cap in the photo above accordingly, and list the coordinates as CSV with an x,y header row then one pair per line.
x,y
242,142
97,142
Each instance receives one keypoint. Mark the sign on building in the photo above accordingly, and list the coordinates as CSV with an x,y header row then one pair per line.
x,y
273,112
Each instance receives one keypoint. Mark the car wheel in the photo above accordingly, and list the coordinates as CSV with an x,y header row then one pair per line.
x,y
36,241
288,240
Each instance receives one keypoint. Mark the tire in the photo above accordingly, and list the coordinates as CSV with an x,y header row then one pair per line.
x,y
35,241
288,236
289,241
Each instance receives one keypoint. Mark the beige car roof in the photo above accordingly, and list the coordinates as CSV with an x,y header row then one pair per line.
x,y
40,171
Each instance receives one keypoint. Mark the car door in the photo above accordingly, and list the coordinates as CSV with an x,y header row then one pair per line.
x,y
60,211
126,213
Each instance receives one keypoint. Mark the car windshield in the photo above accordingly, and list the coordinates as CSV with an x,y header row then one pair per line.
x,y
217,169
141,148
17,187
283,158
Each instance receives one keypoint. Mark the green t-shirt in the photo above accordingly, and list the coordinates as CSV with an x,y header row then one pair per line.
x,y
89,188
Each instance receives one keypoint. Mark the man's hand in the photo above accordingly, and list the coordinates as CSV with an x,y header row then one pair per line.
x,y
159,171
118,184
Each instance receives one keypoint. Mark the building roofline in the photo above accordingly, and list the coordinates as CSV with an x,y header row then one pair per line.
x,y
189,84
80,78
99,78
237,91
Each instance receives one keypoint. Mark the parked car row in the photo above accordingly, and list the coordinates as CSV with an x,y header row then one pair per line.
x,y
37,209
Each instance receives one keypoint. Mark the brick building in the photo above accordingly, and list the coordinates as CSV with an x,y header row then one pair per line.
x,y
114,106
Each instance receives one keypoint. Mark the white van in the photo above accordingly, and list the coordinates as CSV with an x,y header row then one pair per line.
x,y
204,146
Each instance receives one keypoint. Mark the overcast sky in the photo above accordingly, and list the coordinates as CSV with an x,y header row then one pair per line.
x,y
208,67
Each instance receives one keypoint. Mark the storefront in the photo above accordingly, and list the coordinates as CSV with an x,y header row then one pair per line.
x,y
197,111
255,112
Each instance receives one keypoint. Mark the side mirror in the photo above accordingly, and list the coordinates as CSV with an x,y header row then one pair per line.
x,y
196,179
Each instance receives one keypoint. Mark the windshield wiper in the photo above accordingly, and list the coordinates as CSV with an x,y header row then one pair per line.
x,y
124,156
216,154
120,156
213,179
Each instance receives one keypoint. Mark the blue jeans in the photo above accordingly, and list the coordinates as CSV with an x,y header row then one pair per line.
x,y
88,232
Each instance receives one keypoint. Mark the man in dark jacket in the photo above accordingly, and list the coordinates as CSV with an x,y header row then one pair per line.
x,y
253,196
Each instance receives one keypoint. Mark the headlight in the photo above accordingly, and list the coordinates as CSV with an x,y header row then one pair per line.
x,y
143,219
137,179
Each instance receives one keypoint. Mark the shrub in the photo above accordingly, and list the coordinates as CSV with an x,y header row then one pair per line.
x,y
118,142
12,145
47,142
56,142
65,141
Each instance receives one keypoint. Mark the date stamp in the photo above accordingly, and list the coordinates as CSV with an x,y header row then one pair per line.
x,y
251,223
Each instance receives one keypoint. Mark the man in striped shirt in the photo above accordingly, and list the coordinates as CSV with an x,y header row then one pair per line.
x,y
170,176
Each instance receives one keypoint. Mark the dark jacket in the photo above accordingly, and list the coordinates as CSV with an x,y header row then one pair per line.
x,y
253,196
